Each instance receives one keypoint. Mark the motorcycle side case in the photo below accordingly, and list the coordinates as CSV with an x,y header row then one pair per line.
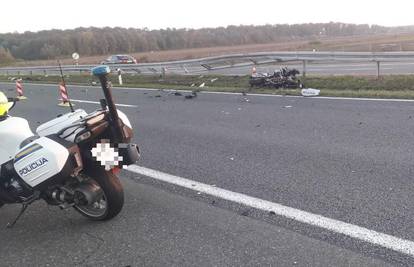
x,y
42,161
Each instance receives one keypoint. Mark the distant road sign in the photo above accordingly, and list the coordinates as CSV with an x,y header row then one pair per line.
x,y
75,56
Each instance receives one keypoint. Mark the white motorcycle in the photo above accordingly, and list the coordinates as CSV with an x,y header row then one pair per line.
x,y
71,161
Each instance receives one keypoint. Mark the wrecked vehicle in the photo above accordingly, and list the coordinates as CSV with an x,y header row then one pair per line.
x,y
285,78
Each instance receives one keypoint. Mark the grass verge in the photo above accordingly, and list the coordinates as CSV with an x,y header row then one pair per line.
x,y
391,86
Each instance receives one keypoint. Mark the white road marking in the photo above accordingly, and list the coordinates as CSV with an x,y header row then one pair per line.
x,y
376,238
230,93
97,103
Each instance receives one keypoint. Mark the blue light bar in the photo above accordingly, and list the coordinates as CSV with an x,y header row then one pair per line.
x,y
101,70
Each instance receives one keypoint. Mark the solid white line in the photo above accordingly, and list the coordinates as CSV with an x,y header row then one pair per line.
x,y
95,102
249,94
376,238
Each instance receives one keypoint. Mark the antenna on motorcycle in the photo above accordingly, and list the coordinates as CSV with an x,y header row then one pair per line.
x,y
64,84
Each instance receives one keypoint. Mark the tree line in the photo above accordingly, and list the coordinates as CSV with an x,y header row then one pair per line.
x,y
52,44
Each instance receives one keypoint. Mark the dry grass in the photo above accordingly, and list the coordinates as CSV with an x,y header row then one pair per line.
x,y
389,42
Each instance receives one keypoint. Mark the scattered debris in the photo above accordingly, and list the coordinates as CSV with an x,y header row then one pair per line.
x,y
178,94
272,212
258,125
192,95
310,92
213,80
287,106
157,95
198,193
202,85
231,158
239,109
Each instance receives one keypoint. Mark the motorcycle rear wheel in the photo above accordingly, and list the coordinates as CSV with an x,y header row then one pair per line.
x,y
111,202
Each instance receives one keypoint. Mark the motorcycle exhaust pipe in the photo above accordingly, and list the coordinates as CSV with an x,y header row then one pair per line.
x,y
87,193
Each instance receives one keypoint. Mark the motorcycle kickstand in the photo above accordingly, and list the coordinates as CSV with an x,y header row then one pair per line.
x,y
25,205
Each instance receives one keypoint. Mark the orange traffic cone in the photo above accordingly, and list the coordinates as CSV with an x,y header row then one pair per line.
x,y
19,89
64,96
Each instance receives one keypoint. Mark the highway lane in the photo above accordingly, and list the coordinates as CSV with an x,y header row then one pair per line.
x,y
346,160
157,228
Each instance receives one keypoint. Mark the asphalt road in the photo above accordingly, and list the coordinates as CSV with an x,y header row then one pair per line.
x,y
343,159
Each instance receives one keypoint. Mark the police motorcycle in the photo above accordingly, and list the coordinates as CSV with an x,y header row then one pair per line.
x,y
71,161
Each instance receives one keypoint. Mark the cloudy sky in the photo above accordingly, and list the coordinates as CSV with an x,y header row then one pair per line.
x,y
25,15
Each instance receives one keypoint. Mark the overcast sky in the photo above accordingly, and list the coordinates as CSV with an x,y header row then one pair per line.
x,y
37,15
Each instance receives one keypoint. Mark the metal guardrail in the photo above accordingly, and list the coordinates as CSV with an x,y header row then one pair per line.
x,y
227,61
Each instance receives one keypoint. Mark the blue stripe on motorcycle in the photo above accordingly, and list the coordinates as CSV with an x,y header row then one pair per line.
x,y
31,149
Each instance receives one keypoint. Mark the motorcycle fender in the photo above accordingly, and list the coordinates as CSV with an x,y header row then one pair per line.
x,y
40,160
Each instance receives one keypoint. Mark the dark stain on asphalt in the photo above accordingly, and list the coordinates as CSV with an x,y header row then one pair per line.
x,y
245,213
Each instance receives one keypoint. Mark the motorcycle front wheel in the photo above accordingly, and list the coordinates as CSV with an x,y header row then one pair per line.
x,y
111,201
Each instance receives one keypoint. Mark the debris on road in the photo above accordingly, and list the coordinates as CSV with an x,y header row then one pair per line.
x,y
287,106
310,92
245,213
192,95
245,99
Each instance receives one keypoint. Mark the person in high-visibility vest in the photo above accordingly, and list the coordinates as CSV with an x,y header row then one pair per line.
x,y
5,106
